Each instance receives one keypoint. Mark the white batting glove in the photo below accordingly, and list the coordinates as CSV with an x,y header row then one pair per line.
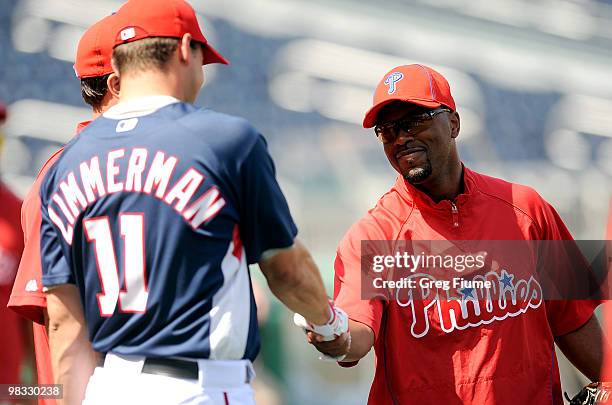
x,y
335,327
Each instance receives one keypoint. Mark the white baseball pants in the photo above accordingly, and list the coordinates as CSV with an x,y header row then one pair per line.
x,y
120,381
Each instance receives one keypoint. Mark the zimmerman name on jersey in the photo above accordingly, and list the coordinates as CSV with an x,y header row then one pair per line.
x,y
148,171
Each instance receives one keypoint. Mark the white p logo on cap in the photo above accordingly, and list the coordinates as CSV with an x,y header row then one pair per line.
x,y
392,79
127,33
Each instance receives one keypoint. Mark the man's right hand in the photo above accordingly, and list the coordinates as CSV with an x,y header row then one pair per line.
x,y
336,349
350,346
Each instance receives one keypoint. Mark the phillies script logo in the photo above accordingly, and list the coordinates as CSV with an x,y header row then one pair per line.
x,y
471,305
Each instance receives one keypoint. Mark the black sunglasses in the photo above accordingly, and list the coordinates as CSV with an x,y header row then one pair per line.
x,y
389,131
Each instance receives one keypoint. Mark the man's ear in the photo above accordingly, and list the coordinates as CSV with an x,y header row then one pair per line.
x,y
185,48
113,83
114,66
455,123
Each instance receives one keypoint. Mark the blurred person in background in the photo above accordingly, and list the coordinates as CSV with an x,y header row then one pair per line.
x,y
14,337
484,361
99,89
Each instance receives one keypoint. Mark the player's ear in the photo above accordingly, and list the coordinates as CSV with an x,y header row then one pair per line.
x,y
455,124
113,84
114,66
185,48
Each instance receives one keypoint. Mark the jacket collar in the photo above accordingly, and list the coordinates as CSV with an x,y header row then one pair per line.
x,y
139,107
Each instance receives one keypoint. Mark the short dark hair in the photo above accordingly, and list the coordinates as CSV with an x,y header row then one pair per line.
x,y
93,90
147,53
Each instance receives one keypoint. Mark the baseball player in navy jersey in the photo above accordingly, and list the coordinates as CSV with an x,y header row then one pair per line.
x,y
149,221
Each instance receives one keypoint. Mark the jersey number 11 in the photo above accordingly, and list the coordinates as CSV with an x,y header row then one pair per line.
x,y
133,297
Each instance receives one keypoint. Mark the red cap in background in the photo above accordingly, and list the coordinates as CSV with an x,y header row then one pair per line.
x,y
416,84
95,49
2,112
138,19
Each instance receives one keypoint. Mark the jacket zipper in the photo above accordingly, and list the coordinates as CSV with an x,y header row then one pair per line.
x,y
455,212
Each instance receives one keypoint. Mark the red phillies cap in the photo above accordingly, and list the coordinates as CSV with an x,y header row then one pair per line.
x,y
95,49
416,84
140,19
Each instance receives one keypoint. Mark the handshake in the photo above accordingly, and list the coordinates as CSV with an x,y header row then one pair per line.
x,y
333,339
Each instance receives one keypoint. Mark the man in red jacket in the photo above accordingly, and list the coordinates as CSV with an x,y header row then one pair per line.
x,y
99,90
11,245
449,352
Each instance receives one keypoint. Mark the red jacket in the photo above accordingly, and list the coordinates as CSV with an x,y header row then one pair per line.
x,y
433,354
11,245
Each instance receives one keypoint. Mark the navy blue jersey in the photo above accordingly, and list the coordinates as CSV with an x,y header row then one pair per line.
x,y
155,219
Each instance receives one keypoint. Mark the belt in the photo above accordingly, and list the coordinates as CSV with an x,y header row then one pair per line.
x,y
176,368
210,373
168,367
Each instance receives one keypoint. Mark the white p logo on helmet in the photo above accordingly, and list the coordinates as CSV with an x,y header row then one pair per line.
x,y
392,79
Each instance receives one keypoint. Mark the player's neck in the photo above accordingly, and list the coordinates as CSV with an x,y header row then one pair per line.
x,y
446,186
151,83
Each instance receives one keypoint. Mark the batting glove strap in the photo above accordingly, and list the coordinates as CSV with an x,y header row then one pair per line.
x,y
336,326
